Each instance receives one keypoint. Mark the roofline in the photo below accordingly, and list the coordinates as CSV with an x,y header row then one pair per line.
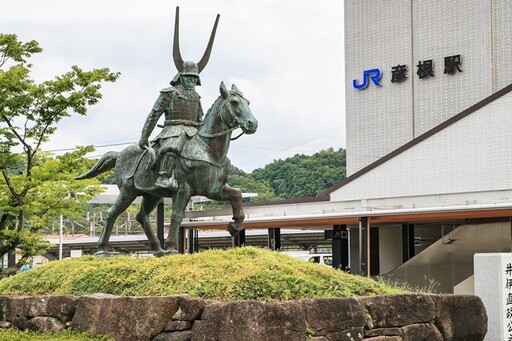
x,y
418,139
226,209
502,211
300,200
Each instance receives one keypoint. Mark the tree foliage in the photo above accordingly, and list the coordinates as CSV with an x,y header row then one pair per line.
x,y
295,177
301,175
36,187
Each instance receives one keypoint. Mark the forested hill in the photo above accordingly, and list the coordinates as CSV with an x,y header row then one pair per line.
x,y
294,177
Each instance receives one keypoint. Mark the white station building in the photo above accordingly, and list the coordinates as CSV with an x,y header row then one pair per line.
x,y
431,131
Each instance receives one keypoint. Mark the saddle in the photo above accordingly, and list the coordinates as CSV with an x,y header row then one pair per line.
x,y
148,162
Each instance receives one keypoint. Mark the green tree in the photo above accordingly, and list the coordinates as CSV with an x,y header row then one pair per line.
x,y
294,177
301,175
248,185
36,187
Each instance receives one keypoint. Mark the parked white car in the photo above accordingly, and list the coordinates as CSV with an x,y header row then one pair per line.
x,y
320,258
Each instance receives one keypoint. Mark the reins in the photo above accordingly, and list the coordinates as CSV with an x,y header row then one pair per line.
x,y
234,138
218,134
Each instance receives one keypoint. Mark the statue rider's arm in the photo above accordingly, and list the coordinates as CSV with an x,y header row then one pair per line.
x,y
152,119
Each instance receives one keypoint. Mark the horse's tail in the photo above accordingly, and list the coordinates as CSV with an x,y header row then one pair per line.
x,y
106,163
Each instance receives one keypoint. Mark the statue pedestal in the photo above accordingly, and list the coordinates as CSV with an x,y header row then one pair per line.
x,y
493,284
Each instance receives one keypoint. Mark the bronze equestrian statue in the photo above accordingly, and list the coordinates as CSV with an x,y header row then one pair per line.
x,y
187,158
181,106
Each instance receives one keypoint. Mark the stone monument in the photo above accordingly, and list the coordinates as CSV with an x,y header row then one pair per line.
x,y
493,284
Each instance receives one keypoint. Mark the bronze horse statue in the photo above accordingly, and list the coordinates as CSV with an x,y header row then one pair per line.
x,y
202,169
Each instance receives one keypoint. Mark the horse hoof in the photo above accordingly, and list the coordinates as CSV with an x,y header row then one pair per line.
x,y
102,254
233,229
165,253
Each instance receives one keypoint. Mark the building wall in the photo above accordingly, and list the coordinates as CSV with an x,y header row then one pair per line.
x,y
390,248
449,261
502,42
443,28
354,249
471,155
390,243
377,35
382,34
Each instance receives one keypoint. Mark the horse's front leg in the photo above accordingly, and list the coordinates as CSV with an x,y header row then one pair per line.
x,y
234,195
179,203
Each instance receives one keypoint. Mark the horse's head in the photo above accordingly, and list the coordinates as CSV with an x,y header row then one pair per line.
x,y
238,107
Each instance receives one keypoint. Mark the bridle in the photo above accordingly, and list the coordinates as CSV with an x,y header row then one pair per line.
x,y
234,124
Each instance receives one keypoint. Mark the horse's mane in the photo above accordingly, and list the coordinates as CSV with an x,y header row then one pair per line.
x,y
210,113
215,106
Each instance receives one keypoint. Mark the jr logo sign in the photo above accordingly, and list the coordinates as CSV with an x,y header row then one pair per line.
x,y
372,74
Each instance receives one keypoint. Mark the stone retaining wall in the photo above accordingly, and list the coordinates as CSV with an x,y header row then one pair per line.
x,y
182,318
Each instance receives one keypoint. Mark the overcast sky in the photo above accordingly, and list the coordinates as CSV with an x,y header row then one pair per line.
x,y
285,56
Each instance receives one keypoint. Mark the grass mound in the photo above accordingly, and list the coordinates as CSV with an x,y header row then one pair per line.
x,y
17,335
234,274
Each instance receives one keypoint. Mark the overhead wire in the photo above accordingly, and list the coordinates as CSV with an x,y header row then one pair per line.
x,y
288,148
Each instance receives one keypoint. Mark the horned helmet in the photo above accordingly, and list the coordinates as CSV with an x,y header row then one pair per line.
x,y
188,67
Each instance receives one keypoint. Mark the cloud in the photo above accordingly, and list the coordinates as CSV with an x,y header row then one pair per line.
x,y
287,58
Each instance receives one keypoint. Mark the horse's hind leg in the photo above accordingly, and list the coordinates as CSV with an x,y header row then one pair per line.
x,y
147,205
179,203
123,200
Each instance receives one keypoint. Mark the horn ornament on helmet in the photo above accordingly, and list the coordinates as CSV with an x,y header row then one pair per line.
x,y
188,67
